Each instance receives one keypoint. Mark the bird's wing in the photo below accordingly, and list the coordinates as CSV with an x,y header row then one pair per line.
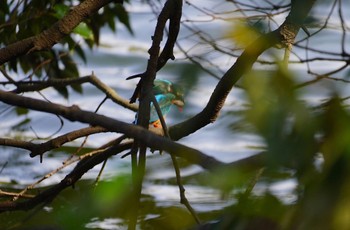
x,y
164,102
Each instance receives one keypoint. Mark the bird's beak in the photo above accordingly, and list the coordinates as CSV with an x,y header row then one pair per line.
x,y
179,104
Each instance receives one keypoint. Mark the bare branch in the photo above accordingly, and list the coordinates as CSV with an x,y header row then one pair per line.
x,y
93,79
40,148
18,144
57,142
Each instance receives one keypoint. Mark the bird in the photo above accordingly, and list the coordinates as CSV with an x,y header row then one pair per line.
x,y
166,94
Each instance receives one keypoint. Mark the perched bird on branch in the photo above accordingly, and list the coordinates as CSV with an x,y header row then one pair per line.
x,y
166,94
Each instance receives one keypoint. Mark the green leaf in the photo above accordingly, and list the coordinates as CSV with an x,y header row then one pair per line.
x,y
62,90
96,34
108,194
60,10
4,7
21,111
70,69
111,23
22,124
80,52
83,30
77,88
123,17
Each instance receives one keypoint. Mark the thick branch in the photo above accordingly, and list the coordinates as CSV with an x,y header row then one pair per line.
x,y
174,28
243,64
40,148
284,35
172,11
18,144
150,139
60,140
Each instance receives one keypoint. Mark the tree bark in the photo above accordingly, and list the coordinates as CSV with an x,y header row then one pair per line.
x,y
55,33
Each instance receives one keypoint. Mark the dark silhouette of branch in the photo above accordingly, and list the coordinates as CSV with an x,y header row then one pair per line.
x,y
319,77
55,33
247,164
183,199
38,149
146,137
57,142
284,36
18,144
172,11
46,196
174,28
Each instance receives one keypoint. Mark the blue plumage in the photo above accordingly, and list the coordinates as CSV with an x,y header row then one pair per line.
x,y
166,94
164,102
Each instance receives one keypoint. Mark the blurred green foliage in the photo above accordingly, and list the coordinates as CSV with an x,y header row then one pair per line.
x,y
23,19
284,122
295,135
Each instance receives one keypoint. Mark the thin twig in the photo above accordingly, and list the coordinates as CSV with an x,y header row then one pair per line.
x,y
183,199
287,51
114,143
14,194
69,161
80,169
92,79
100,172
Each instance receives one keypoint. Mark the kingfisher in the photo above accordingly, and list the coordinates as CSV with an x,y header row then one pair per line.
x,y
166,94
